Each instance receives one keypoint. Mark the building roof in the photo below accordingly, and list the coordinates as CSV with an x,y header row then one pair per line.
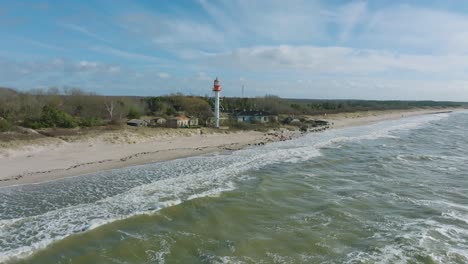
x,y
136,121
181,117
253,113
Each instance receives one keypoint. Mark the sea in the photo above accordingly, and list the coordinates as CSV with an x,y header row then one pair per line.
x,y
389,192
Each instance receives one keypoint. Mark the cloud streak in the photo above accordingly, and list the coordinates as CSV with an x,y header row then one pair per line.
x,y
125,54
83,31
336,60
416,29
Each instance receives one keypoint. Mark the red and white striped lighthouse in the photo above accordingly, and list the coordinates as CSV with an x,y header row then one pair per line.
x,y
217,91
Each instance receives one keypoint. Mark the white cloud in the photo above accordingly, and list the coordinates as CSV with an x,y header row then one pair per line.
x,y
348,17
202,76
357,49
87,65
45,45
84,31
163,75
415,28
393,27
275,20
173,32
11,70
125,54
98,77
113,69
238,23
336,60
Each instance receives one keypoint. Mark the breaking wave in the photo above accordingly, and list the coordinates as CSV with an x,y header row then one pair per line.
x,y
33,216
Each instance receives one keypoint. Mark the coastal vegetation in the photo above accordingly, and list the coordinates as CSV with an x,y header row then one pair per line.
x,y
72,107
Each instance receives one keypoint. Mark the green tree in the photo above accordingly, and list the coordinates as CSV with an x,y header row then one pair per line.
x,y
53,117
133,113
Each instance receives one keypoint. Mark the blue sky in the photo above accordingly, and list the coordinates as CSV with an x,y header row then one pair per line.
x,y
295,48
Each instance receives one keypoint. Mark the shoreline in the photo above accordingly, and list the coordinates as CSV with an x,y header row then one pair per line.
x,y
36,164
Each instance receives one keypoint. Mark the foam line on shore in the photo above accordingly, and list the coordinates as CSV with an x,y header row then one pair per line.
x,y
93,201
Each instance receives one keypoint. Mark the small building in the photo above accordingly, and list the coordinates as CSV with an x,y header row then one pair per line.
x,y
255,116
178,121
295,121
291,121
137,122
158,121
193,121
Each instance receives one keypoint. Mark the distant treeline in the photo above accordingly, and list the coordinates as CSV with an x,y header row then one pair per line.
x,y
71,107
277,105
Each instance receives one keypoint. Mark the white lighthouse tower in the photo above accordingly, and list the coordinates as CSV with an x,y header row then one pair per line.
x,y
217,91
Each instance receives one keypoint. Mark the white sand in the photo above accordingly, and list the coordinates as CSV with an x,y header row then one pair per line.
x,y
42,162
363,118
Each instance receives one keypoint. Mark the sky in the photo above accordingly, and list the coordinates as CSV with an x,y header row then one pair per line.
x,y
402,50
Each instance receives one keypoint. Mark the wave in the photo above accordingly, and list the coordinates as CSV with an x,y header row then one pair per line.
x,y
406,238
19,237
35,216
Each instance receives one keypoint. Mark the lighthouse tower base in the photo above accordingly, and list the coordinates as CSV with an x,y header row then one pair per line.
x,y
216,117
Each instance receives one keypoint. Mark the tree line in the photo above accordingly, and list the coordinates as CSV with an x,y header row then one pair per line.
x,y
72,107
277,105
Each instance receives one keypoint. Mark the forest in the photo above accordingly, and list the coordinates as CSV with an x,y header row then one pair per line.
x,y
73,107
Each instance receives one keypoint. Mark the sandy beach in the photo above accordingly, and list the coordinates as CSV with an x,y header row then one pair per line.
x,y
52,159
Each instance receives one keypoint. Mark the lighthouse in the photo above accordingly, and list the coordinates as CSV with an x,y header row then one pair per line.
x,y
217,91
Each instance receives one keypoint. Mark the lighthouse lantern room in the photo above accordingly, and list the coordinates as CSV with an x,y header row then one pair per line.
x,y
217,85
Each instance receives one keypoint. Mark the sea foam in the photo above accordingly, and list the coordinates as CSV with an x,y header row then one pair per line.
x,y
38,215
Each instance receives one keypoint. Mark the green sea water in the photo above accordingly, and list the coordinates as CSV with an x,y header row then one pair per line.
x,y
392,192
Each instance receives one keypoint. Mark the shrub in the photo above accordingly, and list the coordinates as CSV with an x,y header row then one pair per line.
x,y
170,111
133,113
51,116
90,122
32,123
5,125
54,117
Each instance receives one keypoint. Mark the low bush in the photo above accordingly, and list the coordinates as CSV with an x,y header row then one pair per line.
x,y
54,117
51,116
90,122
133,113
5,125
